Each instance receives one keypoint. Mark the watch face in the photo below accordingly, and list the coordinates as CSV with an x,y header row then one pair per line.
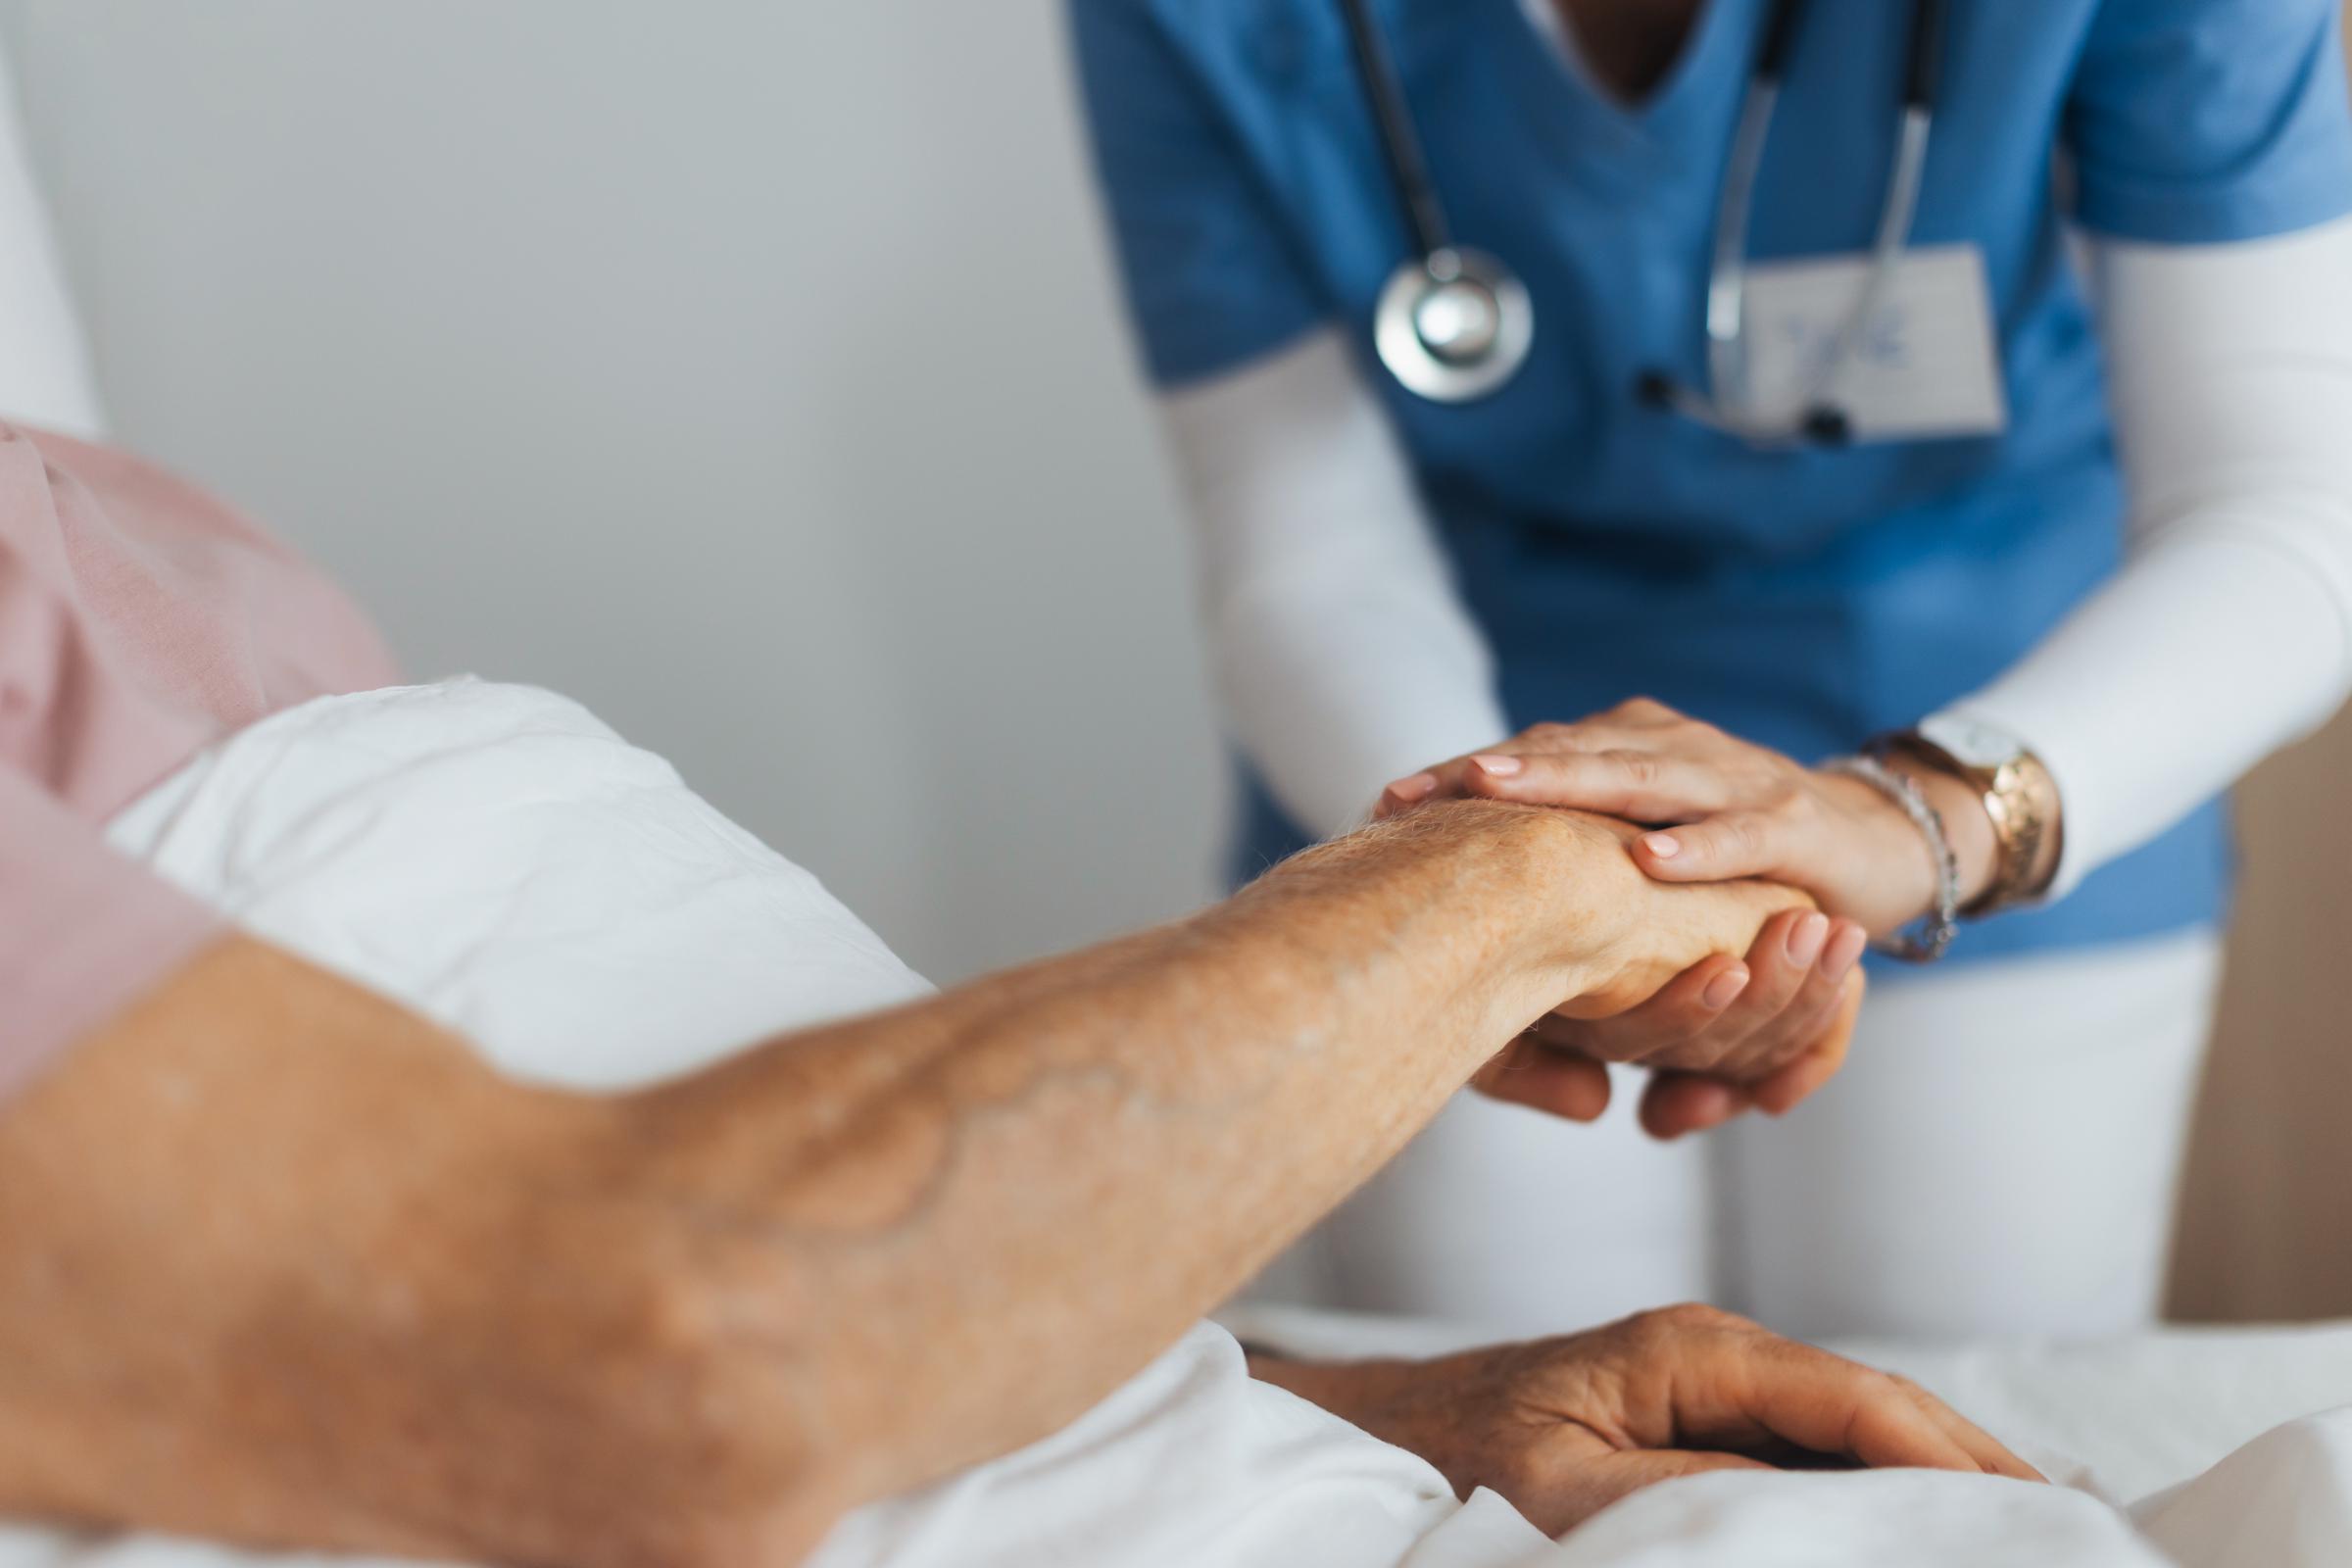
x,y
1975,745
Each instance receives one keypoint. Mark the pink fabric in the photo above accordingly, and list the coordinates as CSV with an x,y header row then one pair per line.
x,y
139,620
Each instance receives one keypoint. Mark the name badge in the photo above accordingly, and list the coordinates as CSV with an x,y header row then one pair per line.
x,y
1923,365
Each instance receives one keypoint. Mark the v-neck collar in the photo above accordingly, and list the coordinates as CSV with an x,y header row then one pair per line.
x,y
1680,100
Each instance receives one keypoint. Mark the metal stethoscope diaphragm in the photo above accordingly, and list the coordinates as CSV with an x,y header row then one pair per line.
x,y
1453,323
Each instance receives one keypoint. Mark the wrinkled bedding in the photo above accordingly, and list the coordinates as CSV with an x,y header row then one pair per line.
x,y
2224,1446
499,859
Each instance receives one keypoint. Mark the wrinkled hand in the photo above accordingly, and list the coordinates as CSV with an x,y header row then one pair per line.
x,y
1564,1427
1720,1034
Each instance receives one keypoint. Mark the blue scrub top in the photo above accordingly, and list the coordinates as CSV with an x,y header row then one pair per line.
x,y
1804,599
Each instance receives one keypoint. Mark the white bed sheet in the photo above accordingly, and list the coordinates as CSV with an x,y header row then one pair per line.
x,y
499,858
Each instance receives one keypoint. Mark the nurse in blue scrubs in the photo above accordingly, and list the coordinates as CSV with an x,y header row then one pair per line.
x,y
2035,574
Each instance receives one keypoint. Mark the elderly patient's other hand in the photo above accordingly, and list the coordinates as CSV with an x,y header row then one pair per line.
x,y
1720,1032
1563,1428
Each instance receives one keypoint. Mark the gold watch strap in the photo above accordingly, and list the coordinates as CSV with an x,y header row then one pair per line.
x,y
2021,800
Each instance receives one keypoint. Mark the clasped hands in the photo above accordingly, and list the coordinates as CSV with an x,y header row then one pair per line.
x,y
1761,1030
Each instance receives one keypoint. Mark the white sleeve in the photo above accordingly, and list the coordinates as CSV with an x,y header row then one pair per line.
x,y
1340,650
2228,633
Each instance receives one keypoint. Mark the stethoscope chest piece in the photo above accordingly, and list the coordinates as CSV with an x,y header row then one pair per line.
x,y
1454,325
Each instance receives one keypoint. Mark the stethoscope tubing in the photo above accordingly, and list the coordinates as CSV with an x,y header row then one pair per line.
x,y
1726,406
1416,191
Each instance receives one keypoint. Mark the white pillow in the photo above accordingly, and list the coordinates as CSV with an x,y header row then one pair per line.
x,y
497,858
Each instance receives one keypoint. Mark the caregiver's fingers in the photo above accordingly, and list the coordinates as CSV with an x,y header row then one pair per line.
x,y
1445,782
1477,772
1794,1084
1641,786
1720,847
1781,960
1792,1031
1404,793
1701,1020
1674,1023
1527,1073
1690,1021
1453,780
1675,1105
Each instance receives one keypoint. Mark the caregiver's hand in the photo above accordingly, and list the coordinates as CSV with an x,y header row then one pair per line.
x,y
1564,1427
1726,1035
1723,1036
1732,809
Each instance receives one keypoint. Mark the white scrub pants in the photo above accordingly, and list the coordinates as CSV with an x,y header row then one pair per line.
x,y
1999,1156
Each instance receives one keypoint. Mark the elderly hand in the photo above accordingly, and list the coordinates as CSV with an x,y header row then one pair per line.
x,y
1720,1037
1562,1427
287,1265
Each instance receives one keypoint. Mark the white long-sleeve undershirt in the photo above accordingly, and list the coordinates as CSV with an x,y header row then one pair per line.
x,y
1340,650
2229,631
1345,657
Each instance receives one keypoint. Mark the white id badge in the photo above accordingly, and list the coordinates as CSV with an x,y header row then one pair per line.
x,y
1923,365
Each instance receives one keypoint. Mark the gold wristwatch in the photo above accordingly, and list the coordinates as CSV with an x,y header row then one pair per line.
x,y
2019,797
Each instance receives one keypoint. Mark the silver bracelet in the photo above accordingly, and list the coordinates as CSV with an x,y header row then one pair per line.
x,y
1940,923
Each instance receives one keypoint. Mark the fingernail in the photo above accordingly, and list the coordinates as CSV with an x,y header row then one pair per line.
x,y
1723,989
1804,943
1662,845
1846,952
1412,789
1499,766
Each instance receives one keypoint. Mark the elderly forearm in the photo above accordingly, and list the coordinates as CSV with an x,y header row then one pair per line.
x,y
993,1205
302,1270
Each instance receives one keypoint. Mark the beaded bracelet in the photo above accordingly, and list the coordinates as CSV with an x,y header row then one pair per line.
x,y
1942,921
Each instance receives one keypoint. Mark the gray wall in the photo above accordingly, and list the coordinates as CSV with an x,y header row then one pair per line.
x,y
749,369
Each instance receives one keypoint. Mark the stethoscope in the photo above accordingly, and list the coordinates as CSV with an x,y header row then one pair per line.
x,y
1454,324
